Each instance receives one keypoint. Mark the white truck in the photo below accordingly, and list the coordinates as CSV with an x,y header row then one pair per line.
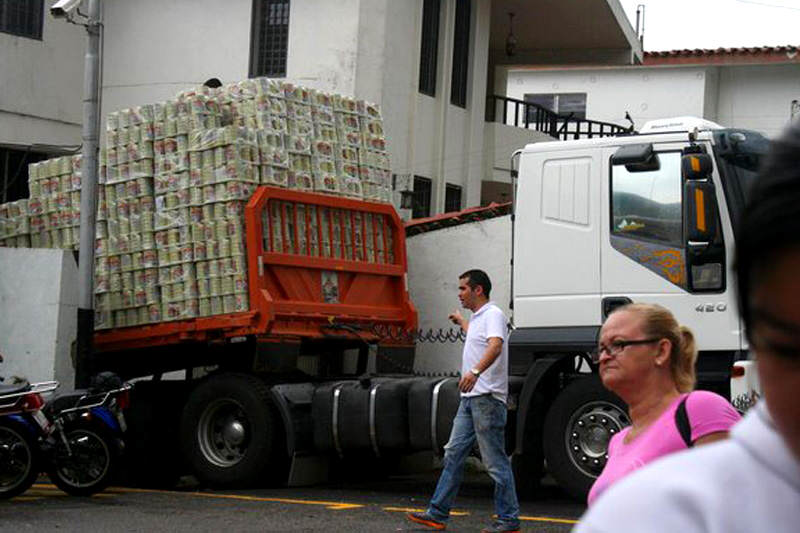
x,y
600,222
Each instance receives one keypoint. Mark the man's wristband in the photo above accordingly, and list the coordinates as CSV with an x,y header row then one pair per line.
x,y
475,372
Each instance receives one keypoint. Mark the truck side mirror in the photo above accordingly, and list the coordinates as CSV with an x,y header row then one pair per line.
x,y
636,158
701,212
696,166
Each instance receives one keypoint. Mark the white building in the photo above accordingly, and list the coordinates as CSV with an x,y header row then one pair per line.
x,y
41,84
752,88
428,63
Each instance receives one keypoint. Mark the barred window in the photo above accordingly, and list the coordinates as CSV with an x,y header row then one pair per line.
x,y
458,87
422,197
573,104
452,198
269,38
22,17
429,49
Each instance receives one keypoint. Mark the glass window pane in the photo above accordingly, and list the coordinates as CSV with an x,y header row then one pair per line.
x,y
647,205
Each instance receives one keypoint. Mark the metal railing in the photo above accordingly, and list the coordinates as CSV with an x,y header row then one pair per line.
x,y
521,114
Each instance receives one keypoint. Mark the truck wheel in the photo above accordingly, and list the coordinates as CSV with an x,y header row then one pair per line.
x,y
230,432
578,426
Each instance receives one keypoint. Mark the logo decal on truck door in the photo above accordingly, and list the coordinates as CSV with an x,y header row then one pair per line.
x,y
667,262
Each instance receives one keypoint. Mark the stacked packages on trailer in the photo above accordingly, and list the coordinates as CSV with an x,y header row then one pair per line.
x,y
174,179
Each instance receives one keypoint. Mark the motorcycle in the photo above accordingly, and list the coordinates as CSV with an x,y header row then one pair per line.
x,y
75,437
22,424
86,442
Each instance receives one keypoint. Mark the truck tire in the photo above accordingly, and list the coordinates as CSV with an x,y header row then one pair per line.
x,y
354,419
578,426
419,413
322,415
449,400
420,403
392,416
230,432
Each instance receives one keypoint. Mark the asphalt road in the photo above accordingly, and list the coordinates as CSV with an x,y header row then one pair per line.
x,y
351,507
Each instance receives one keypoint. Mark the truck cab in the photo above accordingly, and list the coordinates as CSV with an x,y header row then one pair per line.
x,y
606,221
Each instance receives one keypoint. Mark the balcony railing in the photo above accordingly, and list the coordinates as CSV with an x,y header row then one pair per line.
x,y
532,116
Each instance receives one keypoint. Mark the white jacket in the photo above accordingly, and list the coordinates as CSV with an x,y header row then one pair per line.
x,y
748,483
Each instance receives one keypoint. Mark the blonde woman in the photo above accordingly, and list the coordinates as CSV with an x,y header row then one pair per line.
x,y
648,360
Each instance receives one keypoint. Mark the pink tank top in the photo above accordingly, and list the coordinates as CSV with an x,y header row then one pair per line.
x,y
707,413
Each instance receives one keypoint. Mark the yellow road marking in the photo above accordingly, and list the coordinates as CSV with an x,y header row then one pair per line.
x,y
548,519
26,498
413,510
335,506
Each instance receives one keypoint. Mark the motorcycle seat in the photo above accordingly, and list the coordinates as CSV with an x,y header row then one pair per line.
x,y
15,388
66,400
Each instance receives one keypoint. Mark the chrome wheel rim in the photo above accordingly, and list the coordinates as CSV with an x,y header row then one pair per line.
x,y
223,433
588,431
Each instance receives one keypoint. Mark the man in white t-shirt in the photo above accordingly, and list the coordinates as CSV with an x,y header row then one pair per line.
x,y
481,414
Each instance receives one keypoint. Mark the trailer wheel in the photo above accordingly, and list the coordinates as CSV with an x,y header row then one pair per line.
x,y
230,432
578,426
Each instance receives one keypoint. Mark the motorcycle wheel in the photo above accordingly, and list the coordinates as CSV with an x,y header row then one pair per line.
x,y
19,458
90,467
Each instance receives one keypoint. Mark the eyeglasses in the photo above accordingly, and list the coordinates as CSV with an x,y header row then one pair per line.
x,y
616,347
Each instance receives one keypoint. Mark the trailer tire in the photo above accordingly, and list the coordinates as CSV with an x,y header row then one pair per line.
x,y
230,431
578,426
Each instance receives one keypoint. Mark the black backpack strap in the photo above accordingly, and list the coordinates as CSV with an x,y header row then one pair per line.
x,y
682,421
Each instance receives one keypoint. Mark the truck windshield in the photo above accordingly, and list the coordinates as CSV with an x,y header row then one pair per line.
x,y
739,154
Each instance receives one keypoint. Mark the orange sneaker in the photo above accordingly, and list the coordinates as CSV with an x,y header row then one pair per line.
x,y
426,520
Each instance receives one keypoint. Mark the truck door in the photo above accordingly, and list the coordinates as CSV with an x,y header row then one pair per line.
x,y
650,218
557,241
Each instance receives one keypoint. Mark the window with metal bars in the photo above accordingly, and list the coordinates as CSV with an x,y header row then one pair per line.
x,y
422,197
429,49
458,87
14,172
327,232
573,104
269,38
452,198
22,17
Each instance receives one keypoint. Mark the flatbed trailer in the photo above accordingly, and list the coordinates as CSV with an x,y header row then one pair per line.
x,y
320,364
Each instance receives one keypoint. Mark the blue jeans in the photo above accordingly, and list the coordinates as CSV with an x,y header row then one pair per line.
x,y
482,417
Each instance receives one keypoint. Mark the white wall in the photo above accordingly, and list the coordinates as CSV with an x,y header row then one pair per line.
x,y
758,97
323,44
499,142
433,283
367,48
41,85
753,97
399,79
646,93
154,49
38,314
